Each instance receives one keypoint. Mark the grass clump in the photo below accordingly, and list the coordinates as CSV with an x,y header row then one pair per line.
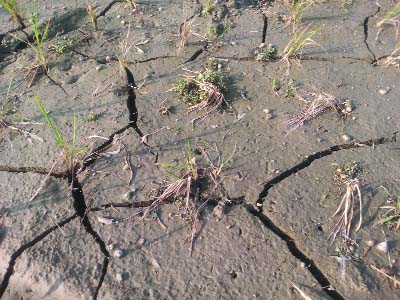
x,y
12,7
300,39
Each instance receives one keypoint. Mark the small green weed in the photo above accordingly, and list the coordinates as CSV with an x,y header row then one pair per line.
x,y
60,47
207,7
391,216
267,53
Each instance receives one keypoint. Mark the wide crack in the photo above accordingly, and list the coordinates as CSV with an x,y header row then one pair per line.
x,y
80,208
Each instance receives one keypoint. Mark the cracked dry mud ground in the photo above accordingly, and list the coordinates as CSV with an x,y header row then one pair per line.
x,y
55,248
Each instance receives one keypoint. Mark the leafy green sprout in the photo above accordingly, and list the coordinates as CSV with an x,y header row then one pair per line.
x,y
391,216
12,7
60,47
208,7
275,85
40,36
299,40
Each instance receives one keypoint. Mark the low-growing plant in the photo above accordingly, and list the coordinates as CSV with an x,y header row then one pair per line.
x,y
202,90
207,7
190,184
299,40
12,7
391,215
267,53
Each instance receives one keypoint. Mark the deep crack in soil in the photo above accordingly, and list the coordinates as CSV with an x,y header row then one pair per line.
x,y
265,28
80,207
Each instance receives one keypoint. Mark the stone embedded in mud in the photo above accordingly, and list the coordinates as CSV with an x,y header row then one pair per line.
x,y
118,253
383,247
121,276
346,138
100,67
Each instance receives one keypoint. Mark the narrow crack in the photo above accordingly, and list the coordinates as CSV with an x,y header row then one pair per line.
x,y
318,155
365,24
26,246
37,170
297,253
301,57
108,7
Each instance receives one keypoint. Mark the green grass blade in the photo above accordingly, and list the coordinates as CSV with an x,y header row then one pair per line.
x,y
387,219
74,132
53,129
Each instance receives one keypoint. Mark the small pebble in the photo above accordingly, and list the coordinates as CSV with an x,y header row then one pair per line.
x,y
123,22
266,110
383,247
118,16
121,276
346,138
370,243
383,91
118,253
100,67
108,58
129,195
141,241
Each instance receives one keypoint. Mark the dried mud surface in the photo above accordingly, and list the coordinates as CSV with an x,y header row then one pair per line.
x,y
280,182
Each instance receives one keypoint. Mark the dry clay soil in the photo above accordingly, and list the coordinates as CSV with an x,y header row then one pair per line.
x,y
280,181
